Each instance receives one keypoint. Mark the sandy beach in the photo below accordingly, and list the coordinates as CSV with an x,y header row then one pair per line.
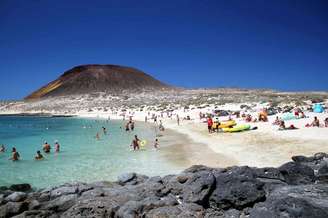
x,y
263,147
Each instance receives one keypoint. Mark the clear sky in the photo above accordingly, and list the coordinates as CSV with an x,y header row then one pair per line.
x,y
277,44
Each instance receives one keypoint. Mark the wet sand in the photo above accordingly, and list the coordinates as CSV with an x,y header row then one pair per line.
x,y
179,149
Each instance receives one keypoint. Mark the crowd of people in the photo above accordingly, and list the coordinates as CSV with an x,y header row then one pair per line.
x,y
213,125
315,123
15,156
136,143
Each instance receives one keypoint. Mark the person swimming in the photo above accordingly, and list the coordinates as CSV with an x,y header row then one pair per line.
x,y
156,144
132,125
135,143
46,147
104,130
38,156
14,155
2,148
57,147
97,136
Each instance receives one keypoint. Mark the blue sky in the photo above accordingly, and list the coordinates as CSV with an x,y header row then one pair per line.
x,y
277,44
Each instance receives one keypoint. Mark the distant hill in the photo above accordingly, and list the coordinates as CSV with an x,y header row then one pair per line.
x,y
99,78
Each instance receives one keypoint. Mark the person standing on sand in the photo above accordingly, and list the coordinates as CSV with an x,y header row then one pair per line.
x,y
14,155
178,119
209,124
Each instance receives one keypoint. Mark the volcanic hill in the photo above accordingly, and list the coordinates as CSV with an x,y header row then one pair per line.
x,y
99,78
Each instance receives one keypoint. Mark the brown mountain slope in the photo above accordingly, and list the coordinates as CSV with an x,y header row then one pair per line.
x,y
98,78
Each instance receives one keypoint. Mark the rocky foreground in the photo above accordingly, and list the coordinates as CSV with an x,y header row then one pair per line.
x,y
296,189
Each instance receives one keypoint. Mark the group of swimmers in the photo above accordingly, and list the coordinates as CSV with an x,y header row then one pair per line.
x,y
46,148
15,156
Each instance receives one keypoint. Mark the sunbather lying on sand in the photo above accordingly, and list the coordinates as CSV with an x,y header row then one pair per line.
x,y
248,118
283,127
277,121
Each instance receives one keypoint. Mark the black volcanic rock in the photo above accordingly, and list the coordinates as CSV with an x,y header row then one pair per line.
x,y
288,191
98,78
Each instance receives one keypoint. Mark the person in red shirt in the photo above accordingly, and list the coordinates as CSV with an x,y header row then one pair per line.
x,y
209,124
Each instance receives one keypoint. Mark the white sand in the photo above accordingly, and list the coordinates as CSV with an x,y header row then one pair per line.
x,y
265,146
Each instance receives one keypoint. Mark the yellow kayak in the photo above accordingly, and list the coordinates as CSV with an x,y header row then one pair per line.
x,y
237,128
225,124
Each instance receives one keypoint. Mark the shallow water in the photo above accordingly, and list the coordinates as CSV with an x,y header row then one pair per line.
x,y
82,157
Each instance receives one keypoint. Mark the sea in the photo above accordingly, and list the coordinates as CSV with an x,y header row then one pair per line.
x,y
82,158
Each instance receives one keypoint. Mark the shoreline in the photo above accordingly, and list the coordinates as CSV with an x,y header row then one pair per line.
x,y
176,153
264,147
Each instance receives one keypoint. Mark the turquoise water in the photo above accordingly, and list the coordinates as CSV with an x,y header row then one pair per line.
x,y
82,157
